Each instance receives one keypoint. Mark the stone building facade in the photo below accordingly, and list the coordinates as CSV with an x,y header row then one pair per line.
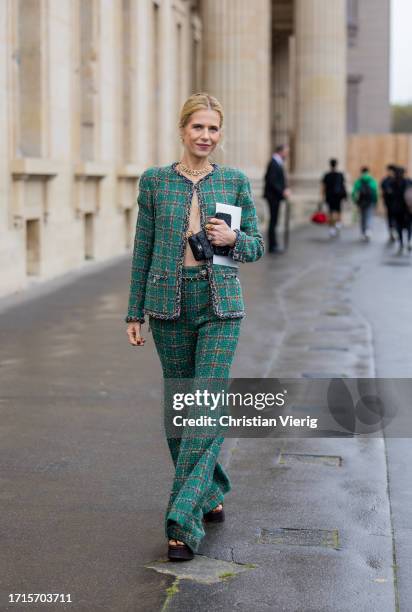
x,y
368,103
90,95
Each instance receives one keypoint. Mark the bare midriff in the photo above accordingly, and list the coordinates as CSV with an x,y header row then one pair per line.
x,y
194,226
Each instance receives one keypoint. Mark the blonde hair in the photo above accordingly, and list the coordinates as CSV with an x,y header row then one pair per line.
x,y
196,102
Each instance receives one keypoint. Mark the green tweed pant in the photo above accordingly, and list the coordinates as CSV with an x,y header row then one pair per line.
x,y
197,345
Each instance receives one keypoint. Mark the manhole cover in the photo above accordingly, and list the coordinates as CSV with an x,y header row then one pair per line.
x,y
300,537
324,375
396,262
293,458
337,328
329,348
334,312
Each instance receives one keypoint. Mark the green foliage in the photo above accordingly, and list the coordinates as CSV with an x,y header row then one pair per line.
x,y
402,118
226,575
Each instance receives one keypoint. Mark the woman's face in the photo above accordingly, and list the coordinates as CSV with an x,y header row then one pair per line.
x,y
202,133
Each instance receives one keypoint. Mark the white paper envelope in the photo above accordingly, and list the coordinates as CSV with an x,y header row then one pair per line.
x,y
235,212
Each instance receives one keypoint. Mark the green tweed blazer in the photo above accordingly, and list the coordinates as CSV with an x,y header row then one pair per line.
x,y
164,200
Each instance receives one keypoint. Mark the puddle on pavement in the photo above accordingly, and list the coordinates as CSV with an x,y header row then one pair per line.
x,y
201,569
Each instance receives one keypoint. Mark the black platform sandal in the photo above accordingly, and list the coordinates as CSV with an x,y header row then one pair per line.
x,y
179,552
215,516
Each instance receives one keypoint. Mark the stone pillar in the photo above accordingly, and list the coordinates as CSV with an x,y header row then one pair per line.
x,y
280,91
236,69
320,30
168,134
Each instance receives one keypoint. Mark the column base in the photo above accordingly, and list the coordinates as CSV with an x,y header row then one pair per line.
x,y
305,198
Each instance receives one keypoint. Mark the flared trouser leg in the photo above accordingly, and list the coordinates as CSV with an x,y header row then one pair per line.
x,y
198,345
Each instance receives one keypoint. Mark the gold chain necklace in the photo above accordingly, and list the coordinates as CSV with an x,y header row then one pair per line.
x,y
192,172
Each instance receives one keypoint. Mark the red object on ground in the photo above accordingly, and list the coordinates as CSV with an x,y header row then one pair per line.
x,y
319,217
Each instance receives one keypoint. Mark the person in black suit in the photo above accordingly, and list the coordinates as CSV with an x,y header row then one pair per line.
x,y
276,190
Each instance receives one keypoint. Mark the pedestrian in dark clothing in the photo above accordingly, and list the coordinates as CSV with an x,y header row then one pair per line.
x,y
276,190
333,192
365,196
387,194
400,209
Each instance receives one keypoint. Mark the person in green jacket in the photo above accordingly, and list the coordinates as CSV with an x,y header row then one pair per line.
x,y
195,305
365,196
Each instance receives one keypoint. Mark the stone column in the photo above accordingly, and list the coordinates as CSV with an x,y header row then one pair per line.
x,y
320,30
236,69
168,134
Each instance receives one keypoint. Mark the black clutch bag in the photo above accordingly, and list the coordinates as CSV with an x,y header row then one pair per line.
x,y
200,245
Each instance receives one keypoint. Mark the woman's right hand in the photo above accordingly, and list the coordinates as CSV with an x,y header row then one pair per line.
x,y
133,333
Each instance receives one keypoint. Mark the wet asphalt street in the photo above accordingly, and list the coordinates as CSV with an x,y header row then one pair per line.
x,y
313,525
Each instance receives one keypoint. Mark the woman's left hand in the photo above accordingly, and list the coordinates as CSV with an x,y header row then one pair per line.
x,y
219,233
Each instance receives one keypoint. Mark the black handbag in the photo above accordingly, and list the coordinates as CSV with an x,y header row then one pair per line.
x,y
200,245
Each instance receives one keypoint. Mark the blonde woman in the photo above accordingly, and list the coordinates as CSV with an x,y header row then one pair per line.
x,y
194,306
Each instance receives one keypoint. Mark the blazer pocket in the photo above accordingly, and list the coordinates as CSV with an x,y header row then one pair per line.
x,y
230,275
230,292
155,277
158,292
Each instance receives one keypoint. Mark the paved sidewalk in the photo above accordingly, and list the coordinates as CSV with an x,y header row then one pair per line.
x,y
313,516
86,472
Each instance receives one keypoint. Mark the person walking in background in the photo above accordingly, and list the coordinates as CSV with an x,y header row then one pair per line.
x,y
401,187
333,192
365,196
387,195
275,190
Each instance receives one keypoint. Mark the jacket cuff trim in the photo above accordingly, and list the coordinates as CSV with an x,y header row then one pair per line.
x,y
234,252
135,320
